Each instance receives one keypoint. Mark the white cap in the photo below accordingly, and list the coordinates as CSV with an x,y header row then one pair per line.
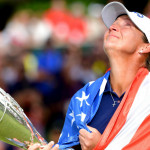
x,y
114,9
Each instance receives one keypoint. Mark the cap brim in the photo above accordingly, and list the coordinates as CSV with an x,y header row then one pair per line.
x,y
111,11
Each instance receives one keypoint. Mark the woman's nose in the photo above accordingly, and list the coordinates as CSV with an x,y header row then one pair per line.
x,y
114,27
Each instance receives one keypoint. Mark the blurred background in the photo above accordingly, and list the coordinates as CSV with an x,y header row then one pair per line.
x,y
49,49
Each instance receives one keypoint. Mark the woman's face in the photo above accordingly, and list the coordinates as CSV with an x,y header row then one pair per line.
x,y
122,37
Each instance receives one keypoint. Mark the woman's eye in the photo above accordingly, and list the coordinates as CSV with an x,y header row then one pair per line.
x,y
128,24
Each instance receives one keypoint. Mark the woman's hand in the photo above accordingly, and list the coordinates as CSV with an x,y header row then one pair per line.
x,y
49,146
89,140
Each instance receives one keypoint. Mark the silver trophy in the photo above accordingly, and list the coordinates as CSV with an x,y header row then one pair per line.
x,y
15,127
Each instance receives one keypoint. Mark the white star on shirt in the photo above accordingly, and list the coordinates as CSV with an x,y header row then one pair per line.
x,y
83,115
84,97
73,118
91,82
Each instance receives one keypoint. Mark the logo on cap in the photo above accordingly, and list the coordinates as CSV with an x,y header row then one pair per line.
x,y
139,15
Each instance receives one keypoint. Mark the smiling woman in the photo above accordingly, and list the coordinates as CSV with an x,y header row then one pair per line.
x,y
92,119
122,31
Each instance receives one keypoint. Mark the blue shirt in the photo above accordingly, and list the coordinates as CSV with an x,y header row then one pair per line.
x,y
106,109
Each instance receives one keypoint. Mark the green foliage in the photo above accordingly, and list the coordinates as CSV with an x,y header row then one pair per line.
x,y
41,5
35,6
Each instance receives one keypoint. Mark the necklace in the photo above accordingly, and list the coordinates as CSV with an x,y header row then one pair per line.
x,y
113,99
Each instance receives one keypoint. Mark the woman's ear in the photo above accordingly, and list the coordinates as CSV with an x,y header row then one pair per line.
x,y
145,48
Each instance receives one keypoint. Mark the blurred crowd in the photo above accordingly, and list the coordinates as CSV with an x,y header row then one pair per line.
x,y
46,58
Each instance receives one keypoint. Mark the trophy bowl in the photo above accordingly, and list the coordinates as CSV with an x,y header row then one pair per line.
x,y
15,127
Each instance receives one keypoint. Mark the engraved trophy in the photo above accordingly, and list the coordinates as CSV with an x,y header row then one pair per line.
x,y
15,127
